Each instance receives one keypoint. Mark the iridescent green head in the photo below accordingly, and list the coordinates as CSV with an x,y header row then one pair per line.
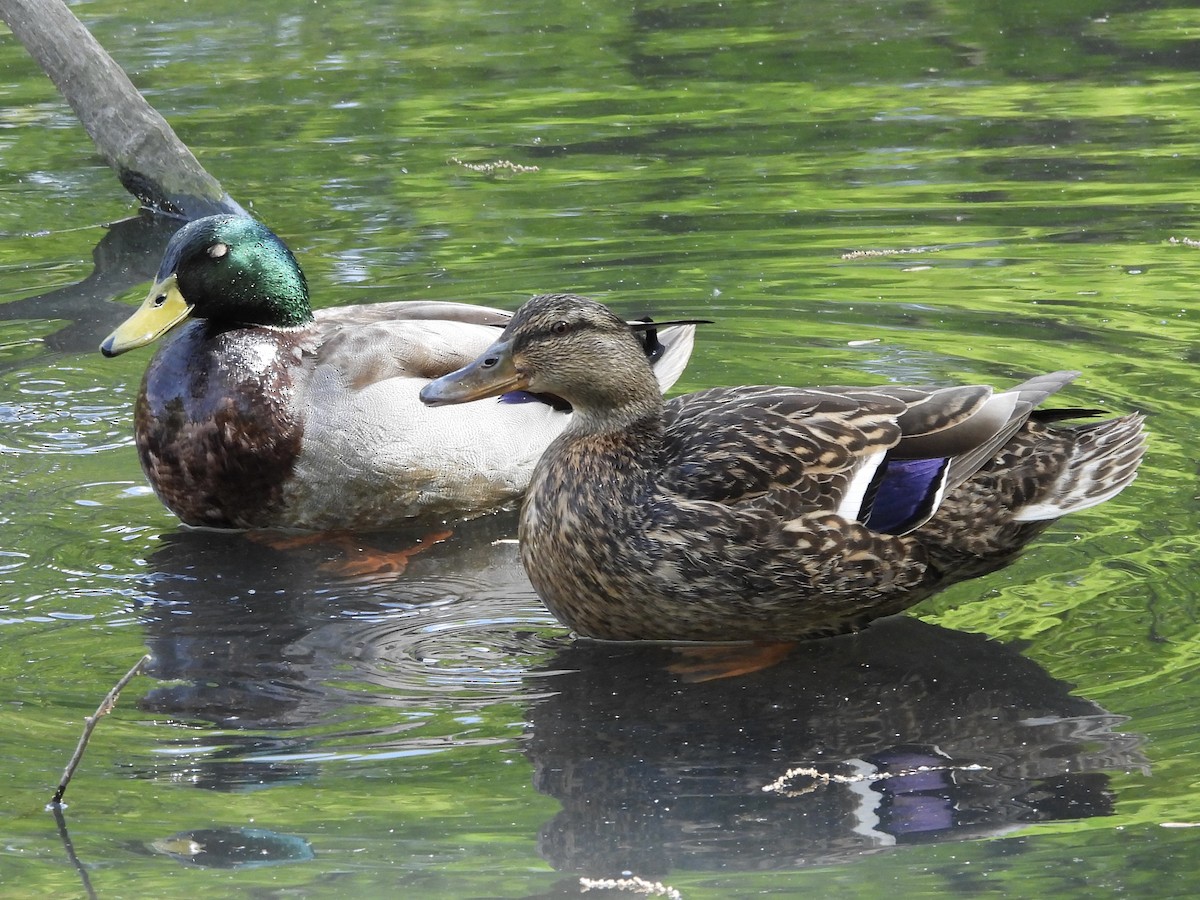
x,y
230,270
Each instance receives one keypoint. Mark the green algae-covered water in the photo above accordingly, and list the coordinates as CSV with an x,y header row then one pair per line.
x,y
856,193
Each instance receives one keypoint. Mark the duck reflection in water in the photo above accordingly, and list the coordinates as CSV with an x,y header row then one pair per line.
x,y
903,733
264,643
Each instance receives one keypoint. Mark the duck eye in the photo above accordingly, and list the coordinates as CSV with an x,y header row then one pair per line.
x,y
560,327
217,250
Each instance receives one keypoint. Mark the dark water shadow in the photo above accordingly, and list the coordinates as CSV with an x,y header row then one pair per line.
x,y
263,642
127,255
906,733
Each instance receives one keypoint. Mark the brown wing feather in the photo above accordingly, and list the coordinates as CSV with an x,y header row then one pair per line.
x,y
793,450
737,444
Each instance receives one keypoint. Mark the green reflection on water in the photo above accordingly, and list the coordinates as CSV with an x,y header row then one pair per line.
x,y
693,157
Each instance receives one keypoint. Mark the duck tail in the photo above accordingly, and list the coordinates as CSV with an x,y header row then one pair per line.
x,y
1095,463
672,358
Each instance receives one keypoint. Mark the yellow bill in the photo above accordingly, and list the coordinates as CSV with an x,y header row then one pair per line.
x,y
162,310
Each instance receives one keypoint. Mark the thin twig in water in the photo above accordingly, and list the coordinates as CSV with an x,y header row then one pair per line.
x,y
493,167
633,885
899,251
89,725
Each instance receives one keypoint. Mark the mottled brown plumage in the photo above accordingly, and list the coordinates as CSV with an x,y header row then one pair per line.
x,y
773,512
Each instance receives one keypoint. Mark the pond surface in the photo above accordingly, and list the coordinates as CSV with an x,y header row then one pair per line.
x,y
434,732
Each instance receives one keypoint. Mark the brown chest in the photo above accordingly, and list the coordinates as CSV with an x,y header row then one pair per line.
x,y
217,426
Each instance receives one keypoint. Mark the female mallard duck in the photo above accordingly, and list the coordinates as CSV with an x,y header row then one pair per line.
x,y
773,512
258,413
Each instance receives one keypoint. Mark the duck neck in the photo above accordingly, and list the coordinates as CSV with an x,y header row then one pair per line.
x,y
632,405
281,299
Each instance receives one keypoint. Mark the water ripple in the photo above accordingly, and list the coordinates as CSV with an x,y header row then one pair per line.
x,y
476,649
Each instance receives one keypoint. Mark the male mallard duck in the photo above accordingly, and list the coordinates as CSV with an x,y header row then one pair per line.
x,y
258,413
773,512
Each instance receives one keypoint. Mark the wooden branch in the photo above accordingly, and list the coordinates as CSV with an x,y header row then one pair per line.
x,y
89,725
151,161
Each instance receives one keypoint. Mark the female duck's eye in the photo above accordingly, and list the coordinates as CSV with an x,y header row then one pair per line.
x,y
560,327
217,250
